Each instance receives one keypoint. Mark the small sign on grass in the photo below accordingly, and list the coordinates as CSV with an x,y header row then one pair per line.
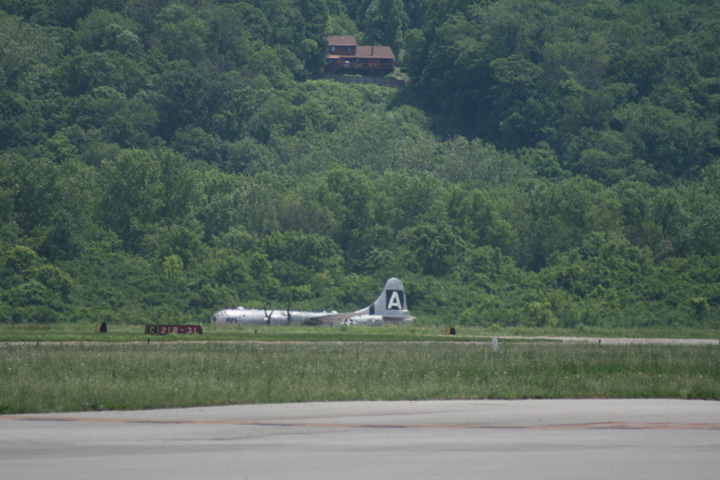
x,y
168,329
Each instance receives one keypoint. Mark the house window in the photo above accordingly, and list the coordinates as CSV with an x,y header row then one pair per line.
x,y
332,48
347,49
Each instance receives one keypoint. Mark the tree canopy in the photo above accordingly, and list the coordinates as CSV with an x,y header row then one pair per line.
x,y
550,163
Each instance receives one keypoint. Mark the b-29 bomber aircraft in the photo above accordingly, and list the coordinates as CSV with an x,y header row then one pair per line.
x,y
390,307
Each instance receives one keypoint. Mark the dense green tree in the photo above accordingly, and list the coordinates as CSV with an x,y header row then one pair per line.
x,y
128,122
348,197
25,49
313,33
33,290
233,29
517,73
672,143
477,162
183,34
385,23
33,186
21,121
437,248
87,71
105,30
551,163
132,194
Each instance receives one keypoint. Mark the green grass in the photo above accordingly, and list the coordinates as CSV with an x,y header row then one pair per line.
x,y
38,377
135,333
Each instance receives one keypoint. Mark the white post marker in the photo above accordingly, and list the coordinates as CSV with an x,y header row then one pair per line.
x,y
495,343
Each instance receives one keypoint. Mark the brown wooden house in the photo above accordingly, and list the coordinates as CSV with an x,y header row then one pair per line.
x,y
346,57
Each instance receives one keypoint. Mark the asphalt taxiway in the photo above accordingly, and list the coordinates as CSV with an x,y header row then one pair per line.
x,y
540,439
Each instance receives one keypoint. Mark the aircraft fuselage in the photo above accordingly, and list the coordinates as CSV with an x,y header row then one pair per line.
x,y
390,307
252,316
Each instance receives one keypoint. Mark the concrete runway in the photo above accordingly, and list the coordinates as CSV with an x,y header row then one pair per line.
x,y
539,439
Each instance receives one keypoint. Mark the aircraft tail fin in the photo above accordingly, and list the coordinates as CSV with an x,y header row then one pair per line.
x,y
392,302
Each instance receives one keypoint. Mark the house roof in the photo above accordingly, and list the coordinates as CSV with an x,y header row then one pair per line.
x,y
374,52
339,40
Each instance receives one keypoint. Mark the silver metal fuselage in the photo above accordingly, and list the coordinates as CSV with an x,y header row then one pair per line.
x,y
390,307
251,316
257,317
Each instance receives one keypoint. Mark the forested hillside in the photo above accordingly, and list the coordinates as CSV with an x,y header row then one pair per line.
x,y
550,163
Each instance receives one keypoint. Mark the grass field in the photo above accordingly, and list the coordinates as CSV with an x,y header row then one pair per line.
x,y
40,377
85,332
